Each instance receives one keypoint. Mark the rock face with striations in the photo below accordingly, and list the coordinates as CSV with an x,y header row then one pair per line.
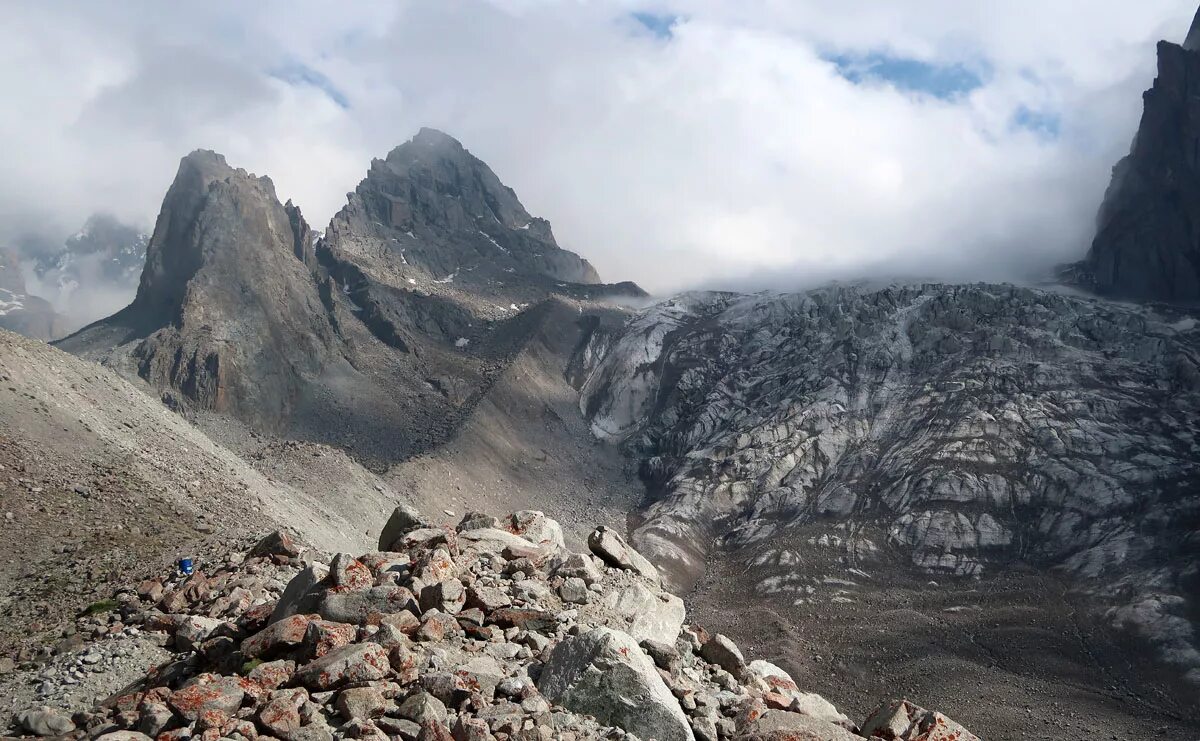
x,y
966,429
1147,244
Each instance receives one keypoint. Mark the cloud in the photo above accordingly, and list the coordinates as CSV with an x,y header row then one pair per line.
x,y
672,143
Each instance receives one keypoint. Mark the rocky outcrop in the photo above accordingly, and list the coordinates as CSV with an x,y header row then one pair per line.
x,y
21,312
227,316
967,429
530,666
380,337
1147,244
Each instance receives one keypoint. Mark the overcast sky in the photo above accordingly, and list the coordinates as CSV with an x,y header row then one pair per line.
x,y
745,142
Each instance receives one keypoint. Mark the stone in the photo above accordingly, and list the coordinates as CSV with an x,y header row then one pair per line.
x,y
434,566
280,715
278,543
539,621
797,701
604,673
614,551
903,721
447,596
192,630
272,675
403,519
575,591
579,566
540,530
663,655
434,731
348,574
324,636
496,542
46,722
422,707
487,598
477,521
780,725
367,606
723,652
358,662
281,635
654,616
436,626
471,729
302,593
481,674
360,702
154,719
123,736
209,697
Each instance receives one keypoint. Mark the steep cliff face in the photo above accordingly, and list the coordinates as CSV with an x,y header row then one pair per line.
x,y
225,314
964,429
1147,244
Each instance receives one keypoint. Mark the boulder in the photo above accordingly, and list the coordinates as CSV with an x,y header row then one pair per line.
x,y
540,530
404,518
280,715
303,593
652,616
348,574
807,703
780,725
900,720
278,636
578,565
422,707
46,722
723,652
278,543
614,551
358,662
497,542
208,696
360,702
367,606
604,673
192,630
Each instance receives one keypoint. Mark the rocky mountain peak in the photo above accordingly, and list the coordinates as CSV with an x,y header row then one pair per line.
x,y
206,193
226,315
433,206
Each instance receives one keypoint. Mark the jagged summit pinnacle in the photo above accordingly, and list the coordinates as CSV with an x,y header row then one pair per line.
x,y
1192,42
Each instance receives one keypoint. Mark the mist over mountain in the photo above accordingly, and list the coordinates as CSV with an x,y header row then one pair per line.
x,y
909,462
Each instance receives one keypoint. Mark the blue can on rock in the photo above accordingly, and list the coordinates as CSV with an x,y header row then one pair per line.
x,y
185,566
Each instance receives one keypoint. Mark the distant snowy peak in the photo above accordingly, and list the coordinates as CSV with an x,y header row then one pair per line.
x,y
113,250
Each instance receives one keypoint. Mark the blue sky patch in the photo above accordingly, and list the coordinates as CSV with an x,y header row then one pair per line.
x,y
1045,124
297,74
661,25
941,81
